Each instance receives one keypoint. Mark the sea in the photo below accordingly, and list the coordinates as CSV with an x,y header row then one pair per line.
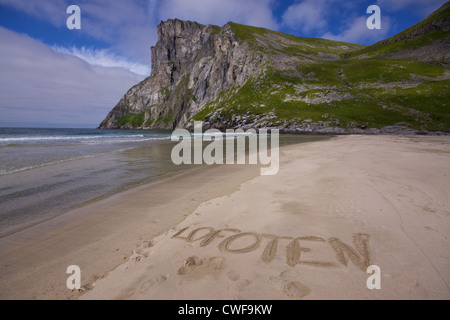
x,y
45,172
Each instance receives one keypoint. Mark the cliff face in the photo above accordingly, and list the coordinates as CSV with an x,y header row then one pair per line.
x,y
191,65
239,76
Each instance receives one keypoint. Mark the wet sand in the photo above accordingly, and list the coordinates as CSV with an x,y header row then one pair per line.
x,y
100,236
225,232
311,231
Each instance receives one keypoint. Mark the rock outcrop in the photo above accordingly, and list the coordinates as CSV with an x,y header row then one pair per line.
x,y
191,65
239,76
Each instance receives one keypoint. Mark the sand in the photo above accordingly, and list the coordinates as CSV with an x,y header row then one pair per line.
x,y
225,232
100,236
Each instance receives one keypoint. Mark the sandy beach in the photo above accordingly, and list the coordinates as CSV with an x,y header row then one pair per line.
x,y
224,232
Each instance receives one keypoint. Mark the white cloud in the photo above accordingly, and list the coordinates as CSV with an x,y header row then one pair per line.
x,y
39,85
128,27
53,11
357,31
251,12
307,15
104,58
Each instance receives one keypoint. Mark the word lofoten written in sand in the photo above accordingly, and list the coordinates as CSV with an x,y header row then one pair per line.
x,y
245,242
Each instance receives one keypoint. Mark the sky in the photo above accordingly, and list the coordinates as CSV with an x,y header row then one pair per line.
x,y
53,76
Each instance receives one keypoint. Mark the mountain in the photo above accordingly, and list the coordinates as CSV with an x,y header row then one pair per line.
x,y
239,76
427,40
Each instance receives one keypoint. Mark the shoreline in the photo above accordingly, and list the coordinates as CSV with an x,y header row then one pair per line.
x,y
123,256
310,232
314,129
90,202
49,247
47,191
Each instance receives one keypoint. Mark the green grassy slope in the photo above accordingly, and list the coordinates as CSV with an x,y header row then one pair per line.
x,y
289,44
433,28
361,90
362,94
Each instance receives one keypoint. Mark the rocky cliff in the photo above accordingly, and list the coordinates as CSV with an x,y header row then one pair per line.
x,y
191,65
242,76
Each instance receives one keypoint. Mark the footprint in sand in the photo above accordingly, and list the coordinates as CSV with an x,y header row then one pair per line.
x,y
242,284
296,290
233,275
147,285
142,251
199,266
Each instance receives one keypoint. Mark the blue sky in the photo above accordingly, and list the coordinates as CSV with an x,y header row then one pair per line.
x,y
55,77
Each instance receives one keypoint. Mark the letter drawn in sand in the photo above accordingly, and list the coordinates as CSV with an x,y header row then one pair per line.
x,y
206,238
244,242
294,250
215,234
360,257
271,249
178,234
225,244
193,233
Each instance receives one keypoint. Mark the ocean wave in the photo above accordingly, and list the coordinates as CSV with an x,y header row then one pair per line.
x,y
113,138
86,140
128,140
41,165
46,138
